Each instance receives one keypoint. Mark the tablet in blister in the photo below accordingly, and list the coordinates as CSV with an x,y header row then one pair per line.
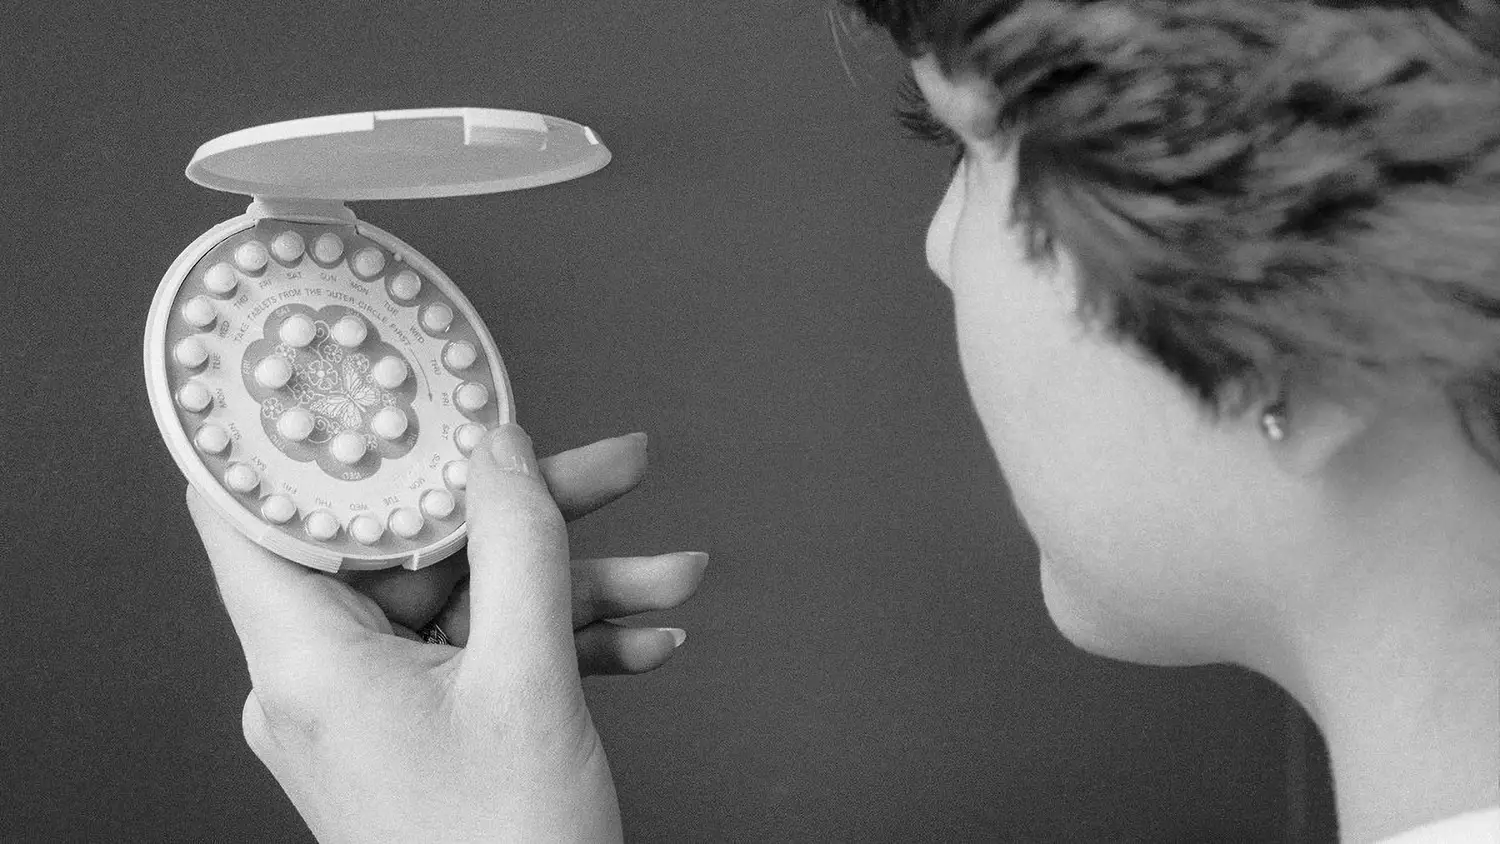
x,y
317,379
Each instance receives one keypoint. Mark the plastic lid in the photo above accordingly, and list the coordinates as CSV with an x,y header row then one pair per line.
x,y
408,154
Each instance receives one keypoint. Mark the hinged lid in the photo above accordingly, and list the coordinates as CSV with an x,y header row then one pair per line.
x,y
408,154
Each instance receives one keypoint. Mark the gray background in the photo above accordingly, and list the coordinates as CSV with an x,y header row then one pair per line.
x,y
869,658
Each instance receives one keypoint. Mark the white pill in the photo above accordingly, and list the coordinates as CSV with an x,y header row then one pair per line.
x,y
298,330
211,439
456,474
296,424
405,286
221,279
437,317
406,522
349,331
194,397
389,423
278,508
328,248
241,478
273,372
347,448
251,256
321,525
288,246
389,372
460,354
199,312
438,503
467,437
470,396
191,352
367,262
366,529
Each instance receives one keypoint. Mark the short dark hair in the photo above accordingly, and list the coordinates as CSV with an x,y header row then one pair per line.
x,y
1257,189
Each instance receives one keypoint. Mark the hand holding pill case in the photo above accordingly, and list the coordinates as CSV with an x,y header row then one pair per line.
x,y
316,378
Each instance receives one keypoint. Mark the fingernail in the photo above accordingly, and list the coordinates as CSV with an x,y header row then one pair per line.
x,y
512,450
638,436
698,557
678,635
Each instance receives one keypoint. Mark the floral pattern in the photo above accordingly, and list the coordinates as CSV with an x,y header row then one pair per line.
x,y
334,385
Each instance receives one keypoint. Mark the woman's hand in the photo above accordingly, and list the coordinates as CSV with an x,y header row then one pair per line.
x,y
376,737
582,480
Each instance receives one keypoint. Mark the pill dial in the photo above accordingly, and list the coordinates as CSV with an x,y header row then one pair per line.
x,y
332,390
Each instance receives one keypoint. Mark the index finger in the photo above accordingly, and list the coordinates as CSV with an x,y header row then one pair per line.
x,y
277,607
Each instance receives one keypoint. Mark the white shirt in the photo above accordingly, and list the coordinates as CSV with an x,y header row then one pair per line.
x,y
1477,827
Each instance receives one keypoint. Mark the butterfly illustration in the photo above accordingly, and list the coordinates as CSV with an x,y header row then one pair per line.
x,y
347,405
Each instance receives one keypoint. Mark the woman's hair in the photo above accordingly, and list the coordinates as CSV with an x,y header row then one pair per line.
x,y
1253,190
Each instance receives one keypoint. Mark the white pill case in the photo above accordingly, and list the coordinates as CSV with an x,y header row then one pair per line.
x,y
317,379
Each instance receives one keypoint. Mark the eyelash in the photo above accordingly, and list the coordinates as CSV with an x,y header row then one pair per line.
x,y
917,119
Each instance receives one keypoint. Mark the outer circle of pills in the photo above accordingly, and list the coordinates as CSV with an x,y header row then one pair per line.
x,y
471,396
406,522
251,256
468,436
241,478
460,354
321,525
211,439
405,286
347,448
191,352
456,474
278,508
438,503
349,331
366,529
194,397
199,312
298,330
437,317
273,372
389,372
288,246
389,423
367,262
296,424
328,248
221,279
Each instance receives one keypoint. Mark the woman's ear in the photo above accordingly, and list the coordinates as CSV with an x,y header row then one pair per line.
x,y
1315,431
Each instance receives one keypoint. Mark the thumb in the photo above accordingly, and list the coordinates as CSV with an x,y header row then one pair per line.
x,y
520,599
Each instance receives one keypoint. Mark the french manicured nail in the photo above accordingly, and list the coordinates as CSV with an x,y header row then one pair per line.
x,y
513,451
678,635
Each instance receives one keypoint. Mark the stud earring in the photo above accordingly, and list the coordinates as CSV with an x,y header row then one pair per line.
x,y
1273,423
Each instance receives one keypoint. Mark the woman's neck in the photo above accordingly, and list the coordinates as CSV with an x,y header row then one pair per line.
x,y
1393,641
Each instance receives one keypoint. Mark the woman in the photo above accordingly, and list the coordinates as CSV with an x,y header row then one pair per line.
x,y
1225,278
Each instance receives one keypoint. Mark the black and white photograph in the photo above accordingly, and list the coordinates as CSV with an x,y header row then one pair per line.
x,y
868,421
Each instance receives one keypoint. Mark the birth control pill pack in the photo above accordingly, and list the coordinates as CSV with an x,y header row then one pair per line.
x,y
317,379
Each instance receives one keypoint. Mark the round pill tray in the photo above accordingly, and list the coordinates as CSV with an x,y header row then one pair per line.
x,y
316,378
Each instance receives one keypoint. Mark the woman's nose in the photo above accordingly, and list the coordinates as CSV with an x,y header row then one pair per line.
x,y
942,228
